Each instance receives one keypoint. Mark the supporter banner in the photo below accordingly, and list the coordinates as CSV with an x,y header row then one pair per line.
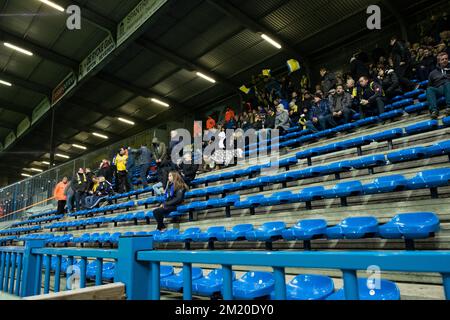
x,y
64,87
23,126
96,56
40,110
10,138
293,65
136,18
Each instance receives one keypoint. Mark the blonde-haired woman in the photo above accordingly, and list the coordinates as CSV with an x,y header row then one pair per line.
x,y
174,196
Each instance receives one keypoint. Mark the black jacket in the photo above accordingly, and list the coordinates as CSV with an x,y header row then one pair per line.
x,y
188,171
80,183
439,76
104,189
371,92
399,54
269,122
328,82
390,82
176,200
107,172
358,69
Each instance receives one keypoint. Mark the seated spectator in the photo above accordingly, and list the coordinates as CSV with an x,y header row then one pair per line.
x,y
173,197
371,98
389,82
282,118
293,112
188,169
319,116
439,85
340,105
269,123
103,189
329,80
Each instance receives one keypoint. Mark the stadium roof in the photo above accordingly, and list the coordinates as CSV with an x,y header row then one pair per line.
x,y
159,61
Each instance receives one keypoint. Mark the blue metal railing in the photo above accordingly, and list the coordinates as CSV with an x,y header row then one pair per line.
x,y
348,262
137,266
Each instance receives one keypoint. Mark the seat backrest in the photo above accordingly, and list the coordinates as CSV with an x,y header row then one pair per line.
x,y
416,218
243,228
270,226
216,229
312,223
358,222
192,231
257,277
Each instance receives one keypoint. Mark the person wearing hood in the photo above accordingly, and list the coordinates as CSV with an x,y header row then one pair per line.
x,y
158,151
439,85
282,118
389,81
143,160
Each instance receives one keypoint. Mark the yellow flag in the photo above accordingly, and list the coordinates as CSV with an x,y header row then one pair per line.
x,y
244,89
293,65
266,72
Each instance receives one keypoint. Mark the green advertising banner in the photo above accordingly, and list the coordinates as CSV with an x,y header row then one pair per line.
x,y
64,87
23,126
98,55
40,110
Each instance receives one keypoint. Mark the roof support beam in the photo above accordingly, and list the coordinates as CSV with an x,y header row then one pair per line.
x,y
42,52
26,84
146,93
230,10
10,106
93,17
184,63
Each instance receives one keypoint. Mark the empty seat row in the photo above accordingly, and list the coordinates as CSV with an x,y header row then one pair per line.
x,y
259,285
20,230
43,214
37,220
407,226
110,208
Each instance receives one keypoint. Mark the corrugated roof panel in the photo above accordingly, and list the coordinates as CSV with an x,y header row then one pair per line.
x,y
155,73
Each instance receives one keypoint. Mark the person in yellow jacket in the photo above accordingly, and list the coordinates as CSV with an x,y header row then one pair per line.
x,y
121,164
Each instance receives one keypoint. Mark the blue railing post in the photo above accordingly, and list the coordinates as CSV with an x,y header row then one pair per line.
x,y
130,271
187,281
280,283
30,268
446,284
227,282
155,284
350,285
2,268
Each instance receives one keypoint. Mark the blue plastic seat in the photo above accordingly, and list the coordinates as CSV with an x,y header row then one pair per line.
x,y
269,231
165,271
356,142
369,162
402,103
416,108
211,284
345,189
430,179
391,114
407,155
387,290
208,235
308,287
387,135
438,149
413,94
386,184
306,230
422,127
187,235
167,236
237,233
337,167
279,198
253,285
311,193
175,282
353,228
418,225
367,121
250,202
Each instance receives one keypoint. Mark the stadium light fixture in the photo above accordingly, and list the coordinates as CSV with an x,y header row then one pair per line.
x,y
100,135
201,75
46,163
160,103
62,156
79,146
53,5
16,48
271,41
26,175
36,170
5,83
126,121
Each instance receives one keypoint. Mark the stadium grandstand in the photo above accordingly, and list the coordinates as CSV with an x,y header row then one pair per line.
x,y
224,150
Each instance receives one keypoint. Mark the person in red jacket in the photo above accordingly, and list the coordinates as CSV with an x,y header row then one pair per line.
x,y
210,123
60,196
